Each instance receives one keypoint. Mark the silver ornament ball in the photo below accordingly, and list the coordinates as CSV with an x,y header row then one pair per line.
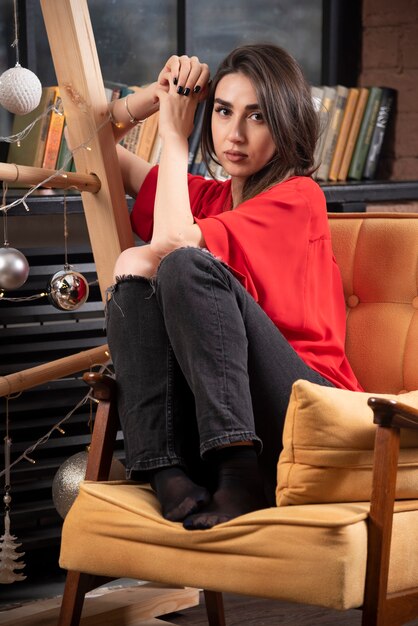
x,y
70,474
14,268
20,90
68,290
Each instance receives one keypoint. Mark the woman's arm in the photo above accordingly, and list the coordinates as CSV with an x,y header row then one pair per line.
x,y
174,225
125,113
134,170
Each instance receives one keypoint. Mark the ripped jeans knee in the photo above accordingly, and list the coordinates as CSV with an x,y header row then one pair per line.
x,y
119,294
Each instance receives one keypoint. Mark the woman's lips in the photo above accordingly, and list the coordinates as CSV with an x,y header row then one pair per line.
x,y
234,156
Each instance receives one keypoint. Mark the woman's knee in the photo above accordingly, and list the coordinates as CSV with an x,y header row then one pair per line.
x,y
138,261
182,261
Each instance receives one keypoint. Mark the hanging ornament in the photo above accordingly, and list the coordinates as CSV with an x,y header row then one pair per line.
x,y
20,90
14,268
70,474
8,545
9,555
67,289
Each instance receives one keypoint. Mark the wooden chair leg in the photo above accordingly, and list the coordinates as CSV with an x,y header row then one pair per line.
x,y
76,587
214,608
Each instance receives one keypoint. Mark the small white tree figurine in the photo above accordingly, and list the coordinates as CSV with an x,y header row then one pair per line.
x,y
9,555
8,545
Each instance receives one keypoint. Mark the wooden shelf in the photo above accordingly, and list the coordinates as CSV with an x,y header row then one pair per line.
x,y
341,197
354,196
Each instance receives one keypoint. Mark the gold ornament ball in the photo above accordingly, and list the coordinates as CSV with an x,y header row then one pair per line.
x,y
70,474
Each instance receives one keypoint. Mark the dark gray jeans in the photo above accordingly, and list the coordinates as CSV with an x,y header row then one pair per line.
x,y
198,365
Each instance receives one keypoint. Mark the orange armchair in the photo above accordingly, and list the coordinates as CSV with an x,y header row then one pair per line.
x,y
345,532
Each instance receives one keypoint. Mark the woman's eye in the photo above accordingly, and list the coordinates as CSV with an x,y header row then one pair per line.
x,y
223,111
258,117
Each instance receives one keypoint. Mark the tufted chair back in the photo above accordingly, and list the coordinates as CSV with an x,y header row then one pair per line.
x,y
381,296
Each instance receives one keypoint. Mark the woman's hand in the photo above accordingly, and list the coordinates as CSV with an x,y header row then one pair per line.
x,y
187,74
181,85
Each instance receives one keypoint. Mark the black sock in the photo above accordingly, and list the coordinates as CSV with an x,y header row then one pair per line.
x,y
178,495
240,488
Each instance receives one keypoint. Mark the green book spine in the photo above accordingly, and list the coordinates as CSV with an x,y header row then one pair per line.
x,y
27,152
64,155
365,134
385,108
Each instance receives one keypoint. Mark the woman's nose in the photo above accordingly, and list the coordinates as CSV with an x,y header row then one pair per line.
x,y
236,131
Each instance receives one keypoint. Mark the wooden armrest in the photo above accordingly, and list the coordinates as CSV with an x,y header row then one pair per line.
x,y
105,426
393,414
103,385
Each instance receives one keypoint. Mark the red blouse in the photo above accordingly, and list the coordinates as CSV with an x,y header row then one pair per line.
x,y
278,245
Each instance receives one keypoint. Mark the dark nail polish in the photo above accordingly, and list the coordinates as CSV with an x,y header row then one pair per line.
x,y
175,80
186,91
197,89
180,91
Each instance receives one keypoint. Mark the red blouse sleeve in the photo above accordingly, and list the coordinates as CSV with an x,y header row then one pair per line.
x,y
206,197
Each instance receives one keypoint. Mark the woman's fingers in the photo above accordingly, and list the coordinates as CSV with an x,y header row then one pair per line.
x,y
193,75
198,76
170,70
186,74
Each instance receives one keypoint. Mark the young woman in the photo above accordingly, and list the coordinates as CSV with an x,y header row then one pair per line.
x,y
235,296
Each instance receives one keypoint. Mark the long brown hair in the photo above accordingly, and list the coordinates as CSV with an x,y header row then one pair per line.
x,y
286,104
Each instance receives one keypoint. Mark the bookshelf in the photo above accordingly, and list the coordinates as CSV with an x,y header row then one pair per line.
x,y
355,196
341,197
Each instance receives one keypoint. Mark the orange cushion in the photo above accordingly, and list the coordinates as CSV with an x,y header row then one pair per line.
x,y
328,442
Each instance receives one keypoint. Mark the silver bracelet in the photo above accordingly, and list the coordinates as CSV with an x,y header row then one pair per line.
x,y
132,119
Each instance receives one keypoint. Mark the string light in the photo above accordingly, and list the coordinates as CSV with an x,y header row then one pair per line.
x,y
20,136
60,172
25,455
22,298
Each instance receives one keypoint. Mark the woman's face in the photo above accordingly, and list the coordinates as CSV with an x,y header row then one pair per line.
x,y
241,138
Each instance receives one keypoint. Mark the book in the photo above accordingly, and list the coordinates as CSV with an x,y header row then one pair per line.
x,y
332,132
121,92
133,137
31,148
65,157
386,106
365,134
197,166
325,113
194,139
350,107
54,135
156,151
148,136
317,94
353,133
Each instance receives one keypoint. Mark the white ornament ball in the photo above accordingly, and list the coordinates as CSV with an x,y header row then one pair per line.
x,y
14,268
20,90
70,474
